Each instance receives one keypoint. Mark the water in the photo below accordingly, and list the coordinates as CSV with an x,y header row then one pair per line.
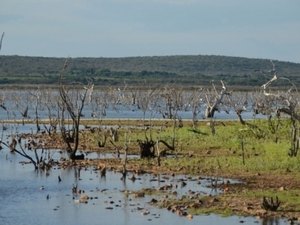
x,y
23,197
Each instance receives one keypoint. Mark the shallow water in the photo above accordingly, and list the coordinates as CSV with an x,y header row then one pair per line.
x,y
23,197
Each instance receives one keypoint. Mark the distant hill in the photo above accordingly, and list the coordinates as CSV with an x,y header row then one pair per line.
x,y
182,70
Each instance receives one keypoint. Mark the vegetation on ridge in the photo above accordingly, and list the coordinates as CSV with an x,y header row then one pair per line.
x,y
183,70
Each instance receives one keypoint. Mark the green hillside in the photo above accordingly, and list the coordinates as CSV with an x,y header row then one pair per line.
x,y
184,70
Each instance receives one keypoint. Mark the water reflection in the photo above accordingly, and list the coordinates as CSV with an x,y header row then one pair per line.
x,y
270,221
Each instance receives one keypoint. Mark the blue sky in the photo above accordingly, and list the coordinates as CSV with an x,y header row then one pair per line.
x,y
119,28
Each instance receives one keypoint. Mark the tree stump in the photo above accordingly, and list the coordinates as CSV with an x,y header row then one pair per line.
x,y
270,204
147,149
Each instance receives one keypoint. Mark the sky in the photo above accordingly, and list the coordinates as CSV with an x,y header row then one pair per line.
x,y
268,29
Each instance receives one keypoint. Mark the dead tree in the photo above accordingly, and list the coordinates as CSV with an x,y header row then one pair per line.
x,y
100,103
31,149
195,100
238,102
146,99
214,105
146,102
286,102
173,102
72,107
36,104
51,103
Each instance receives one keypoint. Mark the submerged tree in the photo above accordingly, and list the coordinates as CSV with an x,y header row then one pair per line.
x,y
30,147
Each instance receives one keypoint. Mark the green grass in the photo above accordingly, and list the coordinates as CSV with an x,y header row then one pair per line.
x,y
198,150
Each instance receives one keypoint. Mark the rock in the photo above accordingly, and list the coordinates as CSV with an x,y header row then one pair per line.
x,y
166,187
153,201
83,198
282,189
261,212
189,216
139,194
183,184
146,212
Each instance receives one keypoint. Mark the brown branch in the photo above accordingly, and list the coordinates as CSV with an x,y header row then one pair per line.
x,y
171,147
22,152
289,112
